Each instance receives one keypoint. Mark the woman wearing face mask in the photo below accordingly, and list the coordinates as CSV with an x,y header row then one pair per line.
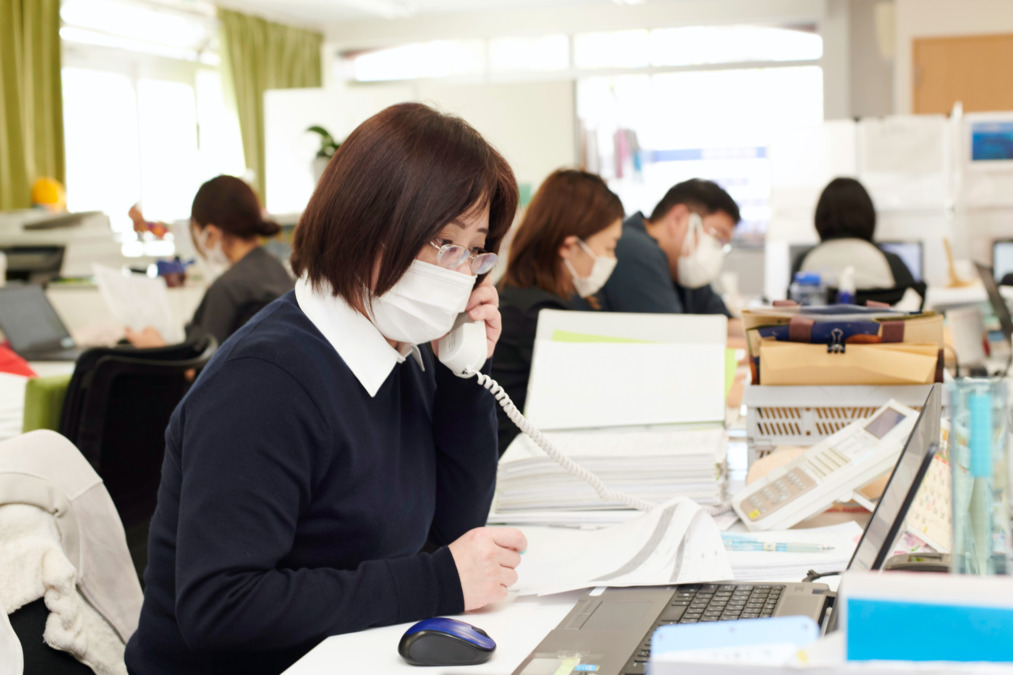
x,y
227,225
563,249
326,473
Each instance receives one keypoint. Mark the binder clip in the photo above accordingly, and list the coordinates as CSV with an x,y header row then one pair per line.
x,y
836,345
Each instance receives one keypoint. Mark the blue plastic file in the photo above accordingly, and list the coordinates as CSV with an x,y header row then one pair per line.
x,y
891,630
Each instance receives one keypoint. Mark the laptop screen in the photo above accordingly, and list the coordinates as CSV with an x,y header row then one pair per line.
x,y
891,510
999,306
29,320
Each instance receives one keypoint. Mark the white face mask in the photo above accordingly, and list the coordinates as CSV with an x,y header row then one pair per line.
x,y
423,305
699,267
214,255
601,270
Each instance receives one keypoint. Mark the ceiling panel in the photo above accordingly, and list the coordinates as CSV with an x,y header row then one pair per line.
x,y
317,11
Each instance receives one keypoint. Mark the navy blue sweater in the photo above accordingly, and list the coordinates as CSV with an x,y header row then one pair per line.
x,y
293,506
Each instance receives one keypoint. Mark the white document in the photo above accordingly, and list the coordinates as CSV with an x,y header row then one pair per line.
x,y
792,567
576,385
674,543
137,301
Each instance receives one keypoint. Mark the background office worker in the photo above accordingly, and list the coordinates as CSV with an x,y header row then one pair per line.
x,y
324,474
565,247
227,223
668,261
845,219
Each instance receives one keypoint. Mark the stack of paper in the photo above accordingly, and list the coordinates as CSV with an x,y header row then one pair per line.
x,y
652,463
780,565
675,543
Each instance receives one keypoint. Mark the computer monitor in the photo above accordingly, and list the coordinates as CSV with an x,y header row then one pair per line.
x,y
1002,258
911,252
991,140
888,518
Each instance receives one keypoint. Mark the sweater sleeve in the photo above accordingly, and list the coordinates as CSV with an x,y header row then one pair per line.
x,y
253,446
464,428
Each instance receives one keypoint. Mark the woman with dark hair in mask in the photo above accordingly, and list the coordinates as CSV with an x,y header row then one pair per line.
x,y
226,224
326,473
564,248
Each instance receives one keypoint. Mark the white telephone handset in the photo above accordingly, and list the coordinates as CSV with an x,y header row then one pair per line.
x,y
463,350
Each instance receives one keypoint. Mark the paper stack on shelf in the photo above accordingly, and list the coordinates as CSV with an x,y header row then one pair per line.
x,y
652,463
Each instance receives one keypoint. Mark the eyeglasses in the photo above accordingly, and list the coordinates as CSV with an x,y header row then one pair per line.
x,y
453,256
726,243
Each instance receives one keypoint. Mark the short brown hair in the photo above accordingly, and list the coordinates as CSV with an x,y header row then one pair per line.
x,y
397,180
569,202
231,205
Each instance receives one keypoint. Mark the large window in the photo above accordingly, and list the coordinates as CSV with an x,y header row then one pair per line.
x,y
145,119
645,133
654,106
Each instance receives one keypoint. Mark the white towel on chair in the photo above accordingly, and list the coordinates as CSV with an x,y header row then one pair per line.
x,y
35,566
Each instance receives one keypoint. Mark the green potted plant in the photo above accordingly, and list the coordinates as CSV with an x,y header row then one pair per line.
x,y
328,146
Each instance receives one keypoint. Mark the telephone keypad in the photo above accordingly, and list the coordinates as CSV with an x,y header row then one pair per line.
x,y
778,493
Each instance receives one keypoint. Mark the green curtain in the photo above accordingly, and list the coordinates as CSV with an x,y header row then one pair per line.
x,y
258,55
31,101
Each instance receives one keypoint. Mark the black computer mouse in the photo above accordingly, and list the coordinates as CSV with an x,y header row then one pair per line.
x,y
445,642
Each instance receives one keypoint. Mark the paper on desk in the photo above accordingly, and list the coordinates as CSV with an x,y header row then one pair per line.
x,y
674,543
784,566
137,301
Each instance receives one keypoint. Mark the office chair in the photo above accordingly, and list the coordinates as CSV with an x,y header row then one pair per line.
x,y
116,410
889,296
63,529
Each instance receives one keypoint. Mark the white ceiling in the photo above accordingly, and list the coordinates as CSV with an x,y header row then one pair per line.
x,y
313,12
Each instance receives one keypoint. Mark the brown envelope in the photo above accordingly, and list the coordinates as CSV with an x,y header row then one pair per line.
x,y
793,363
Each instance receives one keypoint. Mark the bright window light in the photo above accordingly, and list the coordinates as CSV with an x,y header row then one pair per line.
x,y
532,54
645,133
615,49
101,176
441,58
701,45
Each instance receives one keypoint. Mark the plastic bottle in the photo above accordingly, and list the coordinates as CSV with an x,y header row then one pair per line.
x,y
846,287
807,289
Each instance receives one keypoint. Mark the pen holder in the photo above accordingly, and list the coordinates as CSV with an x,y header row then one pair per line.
x,y
980,461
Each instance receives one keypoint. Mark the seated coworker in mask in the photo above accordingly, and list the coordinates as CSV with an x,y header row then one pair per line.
x,y
564,247
325,474
227,225
667,262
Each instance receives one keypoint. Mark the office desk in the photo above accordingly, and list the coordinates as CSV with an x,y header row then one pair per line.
x,y
517,625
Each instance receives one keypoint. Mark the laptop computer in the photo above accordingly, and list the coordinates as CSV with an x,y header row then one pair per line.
x,y
1001,311
32,326
609,632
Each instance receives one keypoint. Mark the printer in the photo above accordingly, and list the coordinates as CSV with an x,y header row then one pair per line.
x,y
41,245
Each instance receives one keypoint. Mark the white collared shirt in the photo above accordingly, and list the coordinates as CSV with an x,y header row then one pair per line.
x,y
354,337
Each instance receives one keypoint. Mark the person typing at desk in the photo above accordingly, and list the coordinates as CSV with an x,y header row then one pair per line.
x,y
325,474
226,223
565,247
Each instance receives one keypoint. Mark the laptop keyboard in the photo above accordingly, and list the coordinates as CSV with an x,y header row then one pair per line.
x,y
694,603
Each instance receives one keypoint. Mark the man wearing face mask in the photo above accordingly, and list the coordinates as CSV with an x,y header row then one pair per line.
x,y
668,261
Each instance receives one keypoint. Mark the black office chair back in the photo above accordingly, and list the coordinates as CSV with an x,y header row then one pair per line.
x,y
118,404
